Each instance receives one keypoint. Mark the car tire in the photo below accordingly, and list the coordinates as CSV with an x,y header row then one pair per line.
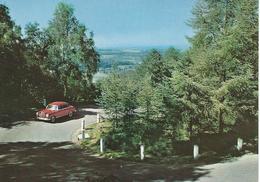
x,y
70,114
53,119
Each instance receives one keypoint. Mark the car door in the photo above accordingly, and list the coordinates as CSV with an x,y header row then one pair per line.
x,y
60,111
66,109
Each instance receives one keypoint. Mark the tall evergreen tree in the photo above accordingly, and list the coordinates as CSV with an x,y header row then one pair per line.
x,y
216,50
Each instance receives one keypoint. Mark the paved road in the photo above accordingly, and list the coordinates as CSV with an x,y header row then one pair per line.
x,y
40,131
41,161
242,169
42,151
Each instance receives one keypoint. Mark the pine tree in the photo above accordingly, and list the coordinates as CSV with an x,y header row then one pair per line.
x,y
216,51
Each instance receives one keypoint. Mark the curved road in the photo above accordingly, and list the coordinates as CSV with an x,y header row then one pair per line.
x,y
42,151
41,131
241,169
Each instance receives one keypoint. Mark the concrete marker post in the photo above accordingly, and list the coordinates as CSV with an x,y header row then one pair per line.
x,y
98,118
142,151
45,102
195,151
83,129
101,145
239,143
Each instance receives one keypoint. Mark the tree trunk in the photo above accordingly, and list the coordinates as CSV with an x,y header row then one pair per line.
x,y
65,87
221,122
221,112
190,128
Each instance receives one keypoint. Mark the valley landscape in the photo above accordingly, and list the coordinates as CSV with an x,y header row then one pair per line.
x,y
124,59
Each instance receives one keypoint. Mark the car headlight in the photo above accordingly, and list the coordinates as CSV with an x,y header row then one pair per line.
x,y
37,114
47,115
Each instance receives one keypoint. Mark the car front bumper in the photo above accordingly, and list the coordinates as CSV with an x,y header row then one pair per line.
x,y
44,119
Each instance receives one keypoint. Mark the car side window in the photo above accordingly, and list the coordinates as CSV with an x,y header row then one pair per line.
x,y
54,108
60,107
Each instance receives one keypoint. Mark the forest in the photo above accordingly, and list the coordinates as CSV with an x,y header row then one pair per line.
x,y
209,90
177,95
56,62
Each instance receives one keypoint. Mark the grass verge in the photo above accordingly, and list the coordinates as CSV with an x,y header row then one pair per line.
x,y
95,131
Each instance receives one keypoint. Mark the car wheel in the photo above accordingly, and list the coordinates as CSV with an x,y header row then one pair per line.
x,y
70,114
53,119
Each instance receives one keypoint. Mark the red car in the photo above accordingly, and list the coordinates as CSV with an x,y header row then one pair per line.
x,y
55,110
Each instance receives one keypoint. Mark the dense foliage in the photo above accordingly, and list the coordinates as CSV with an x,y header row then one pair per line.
x,y
13,63
173,96
210,88
56,62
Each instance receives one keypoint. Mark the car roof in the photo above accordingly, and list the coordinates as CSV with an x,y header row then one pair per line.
x,y
58,103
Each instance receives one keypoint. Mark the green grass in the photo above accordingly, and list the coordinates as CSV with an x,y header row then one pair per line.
x,y
95,131
92,145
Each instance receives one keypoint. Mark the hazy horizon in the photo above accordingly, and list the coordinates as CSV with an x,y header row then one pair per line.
x,y
144,47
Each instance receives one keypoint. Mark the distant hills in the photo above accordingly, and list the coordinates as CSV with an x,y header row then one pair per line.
x,y
123,58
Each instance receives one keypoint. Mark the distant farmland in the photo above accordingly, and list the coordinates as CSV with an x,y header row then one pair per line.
x,y
123,59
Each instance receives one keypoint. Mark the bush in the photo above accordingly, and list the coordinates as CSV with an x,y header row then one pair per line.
x,y
118,140
162,147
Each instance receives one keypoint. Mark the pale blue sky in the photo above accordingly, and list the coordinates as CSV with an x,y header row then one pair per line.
x,y
117,23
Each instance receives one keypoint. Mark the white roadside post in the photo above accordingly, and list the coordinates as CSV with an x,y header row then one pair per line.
x,y
44,102
98,118
142,151
101,145
83,129
195,151
239,143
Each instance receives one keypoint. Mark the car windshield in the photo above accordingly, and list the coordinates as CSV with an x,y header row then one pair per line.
x,y
52,107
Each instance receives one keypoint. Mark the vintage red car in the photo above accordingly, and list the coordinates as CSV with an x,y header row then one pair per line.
x,y
55,110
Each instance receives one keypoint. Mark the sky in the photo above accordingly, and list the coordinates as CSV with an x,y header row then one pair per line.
x,y
117,23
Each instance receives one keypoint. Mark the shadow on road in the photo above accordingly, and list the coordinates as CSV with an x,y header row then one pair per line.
x,y
27,161
22,117
17,118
